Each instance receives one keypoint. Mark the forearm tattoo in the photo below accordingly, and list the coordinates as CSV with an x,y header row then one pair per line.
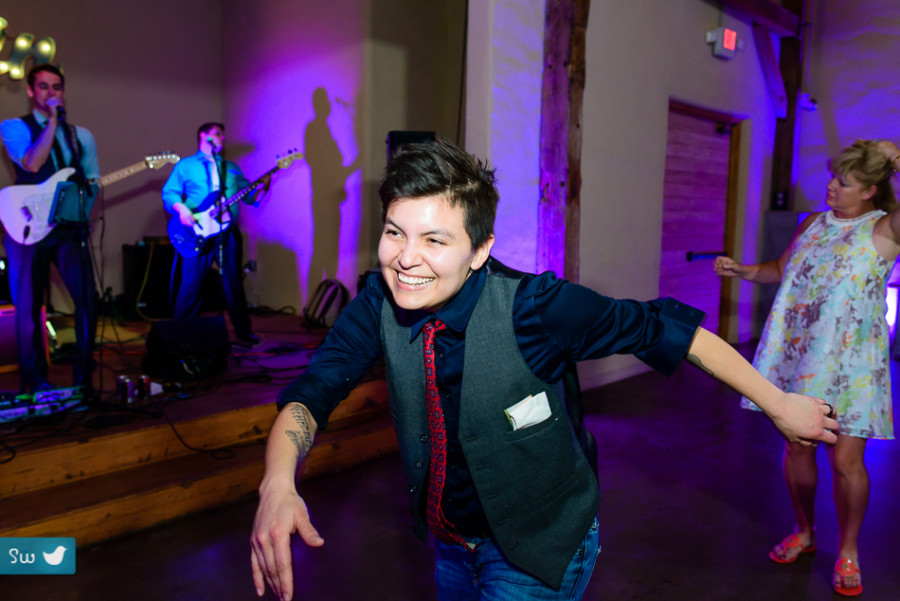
x,y
301,438
696,361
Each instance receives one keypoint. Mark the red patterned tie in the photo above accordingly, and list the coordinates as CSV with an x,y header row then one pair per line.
x,y
438,433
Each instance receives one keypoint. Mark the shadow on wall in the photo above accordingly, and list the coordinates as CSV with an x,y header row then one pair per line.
x,y
328,179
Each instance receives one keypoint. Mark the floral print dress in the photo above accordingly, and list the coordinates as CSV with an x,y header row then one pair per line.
x,y
826,335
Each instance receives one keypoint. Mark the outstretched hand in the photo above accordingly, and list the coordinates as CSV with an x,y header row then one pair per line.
x,y
727,267
805,420
279,515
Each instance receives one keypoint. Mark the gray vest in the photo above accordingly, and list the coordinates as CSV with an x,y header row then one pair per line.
x,y
537,489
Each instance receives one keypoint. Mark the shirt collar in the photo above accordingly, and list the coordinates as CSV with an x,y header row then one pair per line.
x,y
39,117
456,313
203,157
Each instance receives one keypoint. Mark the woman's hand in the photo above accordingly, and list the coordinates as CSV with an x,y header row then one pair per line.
x,y
728,267
889,150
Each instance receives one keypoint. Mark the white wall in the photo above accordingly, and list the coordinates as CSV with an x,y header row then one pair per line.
x,y
375,67
641,53
853,75
503,115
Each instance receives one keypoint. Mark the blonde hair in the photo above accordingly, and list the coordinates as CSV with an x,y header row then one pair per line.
x,y
871,168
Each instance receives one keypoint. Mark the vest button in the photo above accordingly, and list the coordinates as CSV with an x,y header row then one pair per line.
x,y
412,489
423,438
418,464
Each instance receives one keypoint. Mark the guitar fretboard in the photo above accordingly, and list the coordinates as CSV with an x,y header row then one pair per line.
x,y
122,173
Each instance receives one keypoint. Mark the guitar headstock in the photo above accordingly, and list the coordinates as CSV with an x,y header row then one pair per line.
x,y
156,161
285,161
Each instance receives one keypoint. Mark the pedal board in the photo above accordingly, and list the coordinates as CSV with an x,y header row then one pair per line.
x,y
46,402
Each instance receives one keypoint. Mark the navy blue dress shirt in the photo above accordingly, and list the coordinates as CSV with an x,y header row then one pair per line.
x,y
556,322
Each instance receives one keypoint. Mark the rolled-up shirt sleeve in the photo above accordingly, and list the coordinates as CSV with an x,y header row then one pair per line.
x,y
558,322
678,325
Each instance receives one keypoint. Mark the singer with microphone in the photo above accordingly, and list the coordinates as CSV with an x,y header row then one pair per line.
x,y
198,181
39,144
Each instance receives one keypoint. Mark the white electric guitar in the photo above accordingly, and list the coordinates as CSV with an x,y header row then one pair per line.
x,y
25,209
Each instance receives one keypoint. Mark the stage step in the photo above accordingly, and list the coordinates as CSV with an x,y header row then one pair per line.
x,y
131,479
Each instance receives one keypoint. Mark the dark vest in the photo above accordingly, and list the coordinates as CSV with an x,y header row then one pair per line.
x,y
48,168
536,486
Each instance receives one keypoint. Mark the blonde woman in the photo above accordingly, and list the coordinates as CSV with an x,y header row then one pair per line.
x,y
826,336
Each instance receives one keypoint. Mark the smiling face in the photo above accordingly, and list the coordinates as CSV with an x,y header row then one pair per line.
x,y
847,197
425,253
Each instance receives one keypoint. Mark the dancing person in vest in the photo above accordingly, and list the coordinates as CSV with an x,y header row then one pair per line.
x,y
474,355
826,335
192,181
38,145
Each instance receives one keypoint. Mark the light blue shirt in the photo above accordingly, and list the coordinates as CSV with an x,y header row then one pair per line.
x,y
191,183
17,139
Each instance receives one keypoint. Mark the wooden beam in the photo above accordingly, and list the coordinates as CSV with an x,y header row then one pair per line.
x,y
791,69
765,49
767,13
565,26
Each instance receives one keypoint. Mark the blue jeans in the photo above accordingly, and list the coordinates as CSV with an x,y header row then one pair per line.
x,y
484,573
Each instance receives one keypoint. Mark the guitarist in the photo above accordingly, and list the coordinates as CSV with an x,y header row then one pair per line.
x,y
40,144
192,181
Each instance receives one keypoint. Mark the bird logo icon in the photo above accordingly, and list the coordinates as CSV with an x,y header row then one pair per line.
x,y
55,558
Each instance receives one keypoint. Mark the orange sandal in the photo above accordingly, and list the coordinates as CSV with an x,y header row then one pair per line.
x,y
792,541
843,568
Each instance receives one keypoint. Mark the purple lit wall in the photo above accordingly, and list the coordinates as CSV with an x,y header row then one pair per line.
x,y
503,116
331,79
640,54
856,85
293,80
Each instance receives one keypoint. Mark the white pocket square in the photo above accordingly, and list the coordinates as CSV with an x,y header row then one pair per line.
x,y
531,410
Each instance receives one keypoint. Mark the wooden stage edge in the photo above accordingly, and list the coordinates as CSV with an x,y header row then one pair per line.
x,y
111,469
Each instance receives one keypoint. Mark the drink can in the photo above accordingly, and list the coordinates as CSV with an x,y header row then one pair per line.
x,y
143,386
125,389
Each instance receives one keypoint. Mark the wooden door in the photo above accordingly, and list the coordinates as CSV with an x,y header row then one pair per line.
x,y
697,219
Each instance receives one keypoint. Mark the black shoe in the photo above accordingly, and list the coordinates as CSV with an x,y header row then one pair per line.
x,y
249,339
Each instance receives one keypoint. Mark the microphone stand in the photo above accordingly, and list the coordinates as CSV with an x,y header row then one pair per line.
x,y
220,217
82,225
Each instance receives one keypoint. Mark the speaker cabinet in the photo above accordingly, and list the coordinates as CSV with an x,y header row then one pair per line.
x,y
187,349
146,272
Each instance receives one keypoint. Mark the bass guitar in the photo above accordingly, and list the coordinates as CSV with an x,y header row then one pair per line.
x,y
212,215
25,209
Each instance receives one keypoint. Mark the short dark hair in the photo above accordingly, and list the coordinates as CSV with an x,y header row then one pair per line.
x,y
206,127
35,69
440,168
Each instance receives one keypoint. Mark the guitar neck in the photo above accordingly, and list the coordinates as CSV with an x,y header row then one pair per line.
x,y
248,188
122,173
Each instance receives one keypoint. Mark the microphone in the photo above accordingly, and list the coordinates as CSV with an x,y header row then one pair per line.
x,y
61,113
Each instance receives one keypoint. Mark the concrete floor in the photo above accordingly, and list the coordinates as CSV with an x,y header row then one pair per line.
x,y
692,500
